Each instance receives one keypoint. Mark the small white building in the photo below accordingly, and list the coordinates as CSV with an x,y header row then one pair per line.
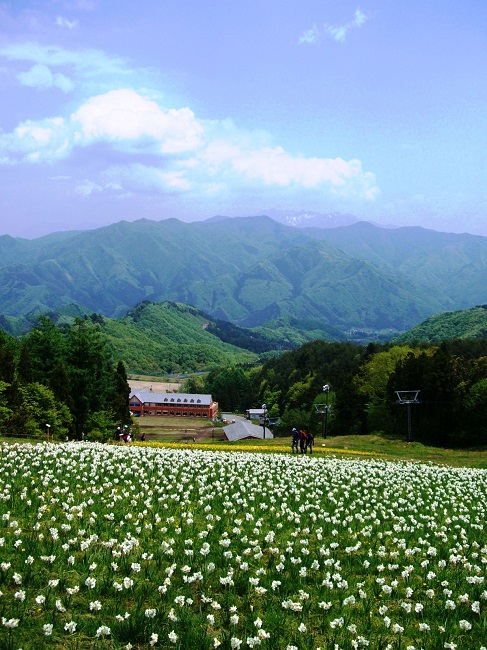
x,y
254,414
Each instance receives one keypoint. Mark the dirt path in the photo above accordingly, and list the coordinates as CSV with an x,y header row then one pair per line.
x,y
157,386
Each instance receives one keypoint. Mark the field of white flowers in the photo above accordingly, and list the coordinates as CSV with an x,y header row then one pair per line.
x,y
130,547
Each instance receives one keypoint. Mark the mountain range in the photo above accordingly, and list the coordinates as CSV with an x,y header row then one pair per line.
x,y
251,271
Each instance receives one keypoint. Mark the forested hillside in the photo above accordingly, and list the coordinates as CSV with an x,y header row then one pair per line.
x,y
463,324
451,378
169,338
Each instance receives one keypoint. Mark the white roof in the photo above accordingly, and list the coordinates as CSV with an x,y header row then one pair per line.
x,y
148,396
245,429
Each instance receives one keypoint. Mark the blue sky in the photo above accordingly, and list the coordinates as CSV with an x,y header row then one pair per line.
x,y
116,110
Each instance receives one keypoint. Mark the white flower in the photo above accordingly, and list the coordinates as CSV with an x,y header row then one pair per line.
x,y
172,636
60,607
465,625
302,628
47,628
70,627
103,631
11,623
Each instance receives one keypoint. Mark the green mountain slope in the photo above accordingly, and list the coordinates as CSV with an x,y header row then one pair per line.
x,y
169,338
315,281
111,269
252,271
452,267
464,324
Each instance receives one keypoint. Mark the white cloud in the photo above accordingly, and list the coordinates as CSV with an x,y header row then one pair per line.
x,y
275,167
87,66
124,115
190,155
337,32
310,36
36,141
63,22
40,76
88,187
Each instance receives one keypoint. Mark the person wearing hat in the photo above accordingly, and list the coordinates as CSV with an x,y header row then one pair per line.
x,y
295,441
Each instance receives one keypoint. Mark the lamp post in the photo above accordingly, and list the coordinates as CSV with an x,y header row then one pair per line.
x,y
264,408
326,390
324,409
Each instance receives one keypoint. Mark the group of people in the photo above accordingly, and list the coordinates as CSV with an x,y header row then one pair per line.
x,y
302,441
122,434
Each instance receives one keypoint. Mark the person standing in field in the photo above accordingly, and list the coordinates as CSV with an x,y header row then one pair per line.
x,y
295,441
302,441
310,441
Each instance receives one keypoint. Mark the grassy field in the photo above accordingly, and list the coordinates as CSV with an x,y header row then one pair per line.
x,y
203,434
174,430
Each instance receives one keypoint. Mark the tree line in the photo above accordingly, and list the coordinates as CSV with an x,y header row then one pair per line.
x,y
64,376
451,378
61,376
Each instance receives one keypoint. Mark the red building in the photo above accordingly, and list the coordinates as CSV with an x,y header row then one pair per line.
x,y
148,402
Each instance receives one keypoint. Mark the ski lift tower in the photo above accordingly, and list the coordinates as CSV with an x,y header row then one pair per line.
x,y
408,397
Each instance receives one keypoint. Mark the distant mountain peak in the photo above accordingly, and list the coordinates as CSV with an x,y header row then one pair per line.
x,y
310,219
300,218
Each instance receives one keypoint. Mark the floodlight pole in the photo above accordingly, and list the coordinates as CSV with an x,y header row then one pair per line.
x,y
264,408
